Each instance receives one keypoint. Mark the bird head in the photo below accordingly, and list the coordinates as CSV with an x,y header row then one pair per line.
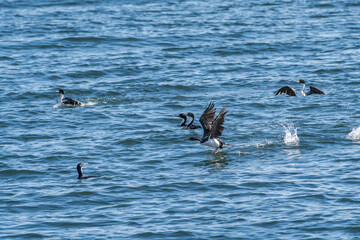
x,y
194,139
81,165
189,114
181,115
301,81
60,91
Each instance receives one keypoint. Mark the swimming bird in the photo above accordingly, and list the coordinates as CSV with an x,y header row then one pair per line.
x,y
80,172
67,101
183,116
190,125
213,128
291,92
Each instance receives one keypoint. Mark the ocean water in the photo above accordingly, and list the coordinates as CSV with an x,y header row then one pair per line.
x,y
292,171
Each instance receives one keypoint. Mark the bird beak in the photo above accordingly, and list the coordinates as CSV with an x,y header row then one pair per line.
x,y
85,163
57,91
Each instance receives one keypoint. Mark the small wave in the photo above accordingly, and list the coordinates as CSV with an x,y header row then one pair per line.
x,y
291,137
354,134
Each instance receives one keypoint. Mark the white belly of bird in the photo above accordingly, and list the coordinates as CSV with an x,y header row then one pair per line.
x,y
212,142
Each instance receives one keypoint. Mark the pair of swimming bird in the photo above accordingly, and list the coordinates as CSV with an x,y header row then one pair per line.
x,y
190,125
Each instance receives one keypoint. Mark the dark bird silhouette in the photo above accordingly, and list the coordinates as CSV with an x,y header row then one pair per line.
x,y
190,125
213,128
183,116
80,171
291,92
67,101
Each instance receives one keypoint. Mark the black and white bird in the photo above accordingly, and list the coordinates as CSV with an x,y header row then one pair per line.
x,y
291,92
80,171
67,101
190,125
213,128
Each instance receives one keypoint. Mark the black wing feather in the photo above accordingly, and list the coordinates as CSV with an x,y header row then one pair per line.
x,y
314,90
217,125
207,118
286,90
71,102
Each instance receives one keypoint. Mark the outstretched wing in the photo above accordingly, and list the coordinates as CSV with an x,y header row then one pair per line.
x,y
217,125
71,102
207,118
314,90
287,90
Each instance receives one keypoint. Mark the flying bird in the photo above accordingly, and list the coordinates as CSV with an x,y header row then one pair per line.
x,y
291,92
212,127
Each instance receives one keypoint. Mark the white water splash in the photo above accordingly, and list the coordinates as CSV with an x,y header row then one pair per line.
x,y
89,104
264,144
354,134
291,137
83,104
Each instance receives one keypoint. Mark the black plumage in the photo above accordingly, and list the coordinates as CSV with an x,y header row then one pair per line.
x,y
67,101
291,92
190,125
286,90
212,128
183,116
80,171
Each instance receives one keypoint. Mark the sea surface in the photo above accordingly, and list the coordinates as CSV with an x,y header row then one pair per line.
x,y
292,170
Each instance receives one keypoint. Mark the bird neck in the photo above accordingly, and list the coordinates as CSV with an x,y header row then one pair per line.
x,y
195,139
183,122
61,97
303,89
80,172
191,122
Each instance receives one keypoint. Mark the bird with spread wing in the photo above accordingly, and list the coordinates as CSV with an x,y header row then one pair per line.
x,y
212,127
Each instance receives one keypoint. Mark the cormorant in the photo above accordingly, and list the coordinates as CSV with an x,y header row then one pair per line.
x,y
291,92
67,101
183,116
80,172
190,125
213,128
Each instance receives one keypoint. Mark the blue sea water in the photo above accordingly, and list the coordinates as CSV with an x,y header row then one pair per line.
x,y
292,171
